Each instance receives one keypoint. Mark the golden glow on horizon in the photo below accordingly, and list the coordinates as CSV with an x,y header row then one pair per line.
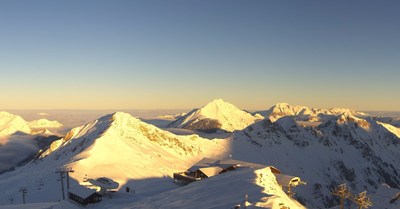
x,y
165,102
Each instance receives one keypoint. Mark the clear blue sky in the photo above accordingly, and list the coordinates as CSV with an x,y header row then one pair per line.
x,y
184,54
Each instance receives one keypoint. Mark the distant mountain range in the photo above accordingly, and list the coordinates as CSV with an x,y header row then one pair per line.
x,y
219,115
302,113
10,124
346,147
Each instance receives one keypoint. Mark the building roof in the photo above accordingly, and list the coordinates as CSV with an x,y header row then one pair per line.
x,y
211,171
286,180
210,162
104,182
82,191
242,164
203,163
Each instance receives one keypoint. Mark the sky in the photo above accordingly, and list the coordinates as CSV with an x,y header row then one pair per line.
x,y
182,54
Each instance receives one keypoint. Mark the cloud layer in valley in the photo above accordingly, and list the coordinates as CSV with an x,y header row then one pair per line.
x,y
15,149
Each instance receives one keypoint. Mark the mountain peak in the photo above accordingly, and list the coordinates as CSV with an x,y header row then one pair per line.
x,y
284,109
216,115
347,117
119,116
282,104
217,101
218,104
6,114
9,124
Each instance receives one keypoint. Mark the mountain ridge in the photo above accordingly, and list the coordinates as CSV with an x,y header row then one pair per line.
x,y
344,149
304,113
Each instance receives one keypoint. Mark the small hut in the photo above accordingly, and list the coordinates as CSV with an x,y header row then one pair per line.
x,y
288,182
84,195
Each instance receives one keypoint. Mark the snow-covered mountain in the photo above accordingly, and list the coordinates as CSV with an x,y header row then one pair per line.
x,y
216,115
21,140
303,113
117,146
344,149
143,157
44,123
10,124
124,141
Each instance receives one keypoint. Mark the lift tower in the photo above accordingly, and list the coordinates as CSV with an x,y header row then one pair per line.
x,y
342,192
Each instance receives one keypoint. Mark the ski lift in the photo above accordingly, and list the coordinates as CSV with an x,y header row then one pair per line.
x,y
85,178
58,178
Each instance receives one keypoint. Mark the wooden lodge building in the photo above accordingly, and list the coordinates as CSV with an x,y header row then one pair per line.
x,y
84,195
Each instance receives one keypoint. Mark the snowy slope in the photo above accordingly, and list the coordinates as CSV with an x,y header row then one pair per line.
x,y
345,149
125,142
224,191
216,115
394,121
386,197
116,146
